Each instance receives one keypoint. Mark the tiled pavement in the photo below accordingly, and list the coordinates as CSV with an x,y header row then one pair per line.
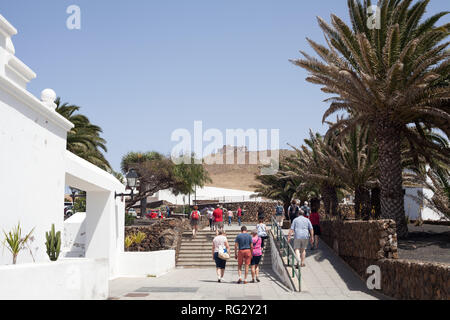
x,y
325,277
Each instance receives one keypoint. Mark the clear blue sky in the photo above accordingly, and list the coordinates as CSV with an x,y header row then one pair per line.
x,y
143,68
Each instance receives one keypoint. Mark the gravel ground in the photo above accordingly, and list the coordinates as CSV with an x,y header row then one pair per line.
x,y
426,243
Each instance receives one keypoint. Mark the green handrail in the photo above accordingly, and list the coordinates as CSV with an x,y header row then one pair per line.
x,y
286,250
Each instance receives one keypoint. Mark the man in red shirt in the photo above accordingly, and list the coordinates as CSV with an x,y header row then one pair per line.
x,y
239,214
218,219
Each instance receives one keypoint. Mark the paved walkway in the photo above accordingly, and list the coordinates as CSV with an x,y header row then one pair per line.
x,y
325,277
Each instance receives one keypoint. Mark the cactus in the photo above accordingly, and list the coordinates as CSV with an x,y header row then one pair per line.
x,y
53,243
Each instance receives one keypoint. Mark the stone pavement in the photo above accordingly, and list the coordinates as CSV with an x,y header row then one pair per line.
x,y
325,277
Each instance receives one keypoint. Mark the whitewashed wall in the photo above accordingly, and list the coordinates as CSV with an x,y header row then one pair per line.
x,y
32,152
413,209
74,240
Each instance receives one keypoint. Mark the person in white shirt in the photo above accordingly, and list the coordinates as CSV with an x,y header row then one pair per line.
x,y
219,243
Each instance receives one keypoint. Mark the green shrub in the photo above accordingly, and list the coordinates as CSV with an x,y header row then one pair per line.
x,y
129,219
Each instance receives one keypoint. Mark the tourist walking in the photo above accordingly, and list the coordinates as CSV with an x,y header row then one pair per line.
x,y
293,211
239,215
195,218
306,209
262,231
314,217
219,247
243,247
261,214
303,232
279,214
210,217
218,219
256,255
230,216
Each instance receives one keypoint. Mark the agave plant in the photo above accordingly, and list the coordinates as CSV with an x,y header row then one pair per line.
x,y
15,242
128,242
138,237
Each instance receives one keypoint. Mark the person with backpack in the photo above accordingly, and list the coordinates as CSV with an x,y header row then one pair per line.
x,y
279,214
262,231
293,211
261,214
306,209
195,218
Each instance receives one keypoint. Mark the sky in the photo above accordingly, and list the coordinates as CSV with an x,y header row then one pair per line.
x,y
140,69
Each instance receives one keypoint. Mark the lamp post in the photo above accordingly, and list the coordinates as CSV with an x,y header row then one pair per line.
x,y
132,178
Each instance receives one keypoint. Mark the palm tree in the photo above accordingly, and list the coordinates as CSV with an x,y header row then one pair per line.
x,y
84,138
387,79
278,186
354,160
309,165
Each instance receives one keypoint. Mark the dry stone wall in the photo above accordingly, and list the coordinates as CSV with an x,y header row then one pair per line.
x,y
365,243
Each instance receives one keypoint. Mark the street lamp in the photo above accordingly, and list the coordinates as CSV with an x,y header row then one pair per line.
x,y
131,177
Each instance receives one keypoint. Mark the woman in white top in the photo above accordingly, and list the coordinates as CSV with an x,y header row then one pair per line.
x,y
219,243
262,231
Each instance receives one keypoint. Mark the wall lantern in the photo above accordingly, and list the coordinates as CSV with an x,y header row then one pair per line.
x,y
132,178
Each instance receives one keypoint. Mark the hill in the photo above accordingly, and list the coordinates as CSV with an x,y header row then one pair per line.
x,y
236,176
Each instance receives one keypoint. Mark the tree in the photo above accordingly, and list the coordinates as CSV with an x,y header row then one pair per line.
x,y
388,79
354,160
193,175
84,138
156,172
277,187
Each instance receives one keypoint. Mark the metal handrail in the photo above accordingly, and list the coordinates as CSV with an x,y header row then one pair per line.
x,y
287,250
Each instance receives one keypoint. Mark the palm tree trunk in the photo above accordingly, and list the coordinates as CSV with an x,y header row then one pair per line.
x,y
326,199
375,202
391,181
362,203
334,203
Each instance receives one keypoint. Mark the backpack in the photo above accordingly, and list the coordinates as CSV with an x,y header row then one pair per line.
x,y
194,215
279,210
291,213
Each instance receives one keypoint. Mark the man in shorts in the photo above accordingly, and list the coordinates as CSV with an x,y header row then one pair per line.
x,y
279,213
243,248
303,232
218,219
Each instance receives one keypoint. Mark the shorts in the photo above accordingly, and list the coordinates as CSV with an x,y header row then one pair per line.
x,y
220,263
218,224
300,243
255,260
317,230
194,222
244,257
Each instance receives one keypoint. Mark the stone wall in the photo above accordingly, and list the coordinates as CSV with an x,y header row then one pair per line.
x,y
365,243
161,235
251,210
415,280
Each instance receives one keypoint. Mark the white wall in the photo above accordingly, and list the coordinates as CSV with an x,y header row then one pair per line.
x,y
32,151
143,264
73,279
413,209
74,236
207,193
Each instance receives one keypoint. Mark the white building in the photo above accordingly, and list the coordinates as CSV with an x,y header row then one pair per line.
x,y
207,193
35,168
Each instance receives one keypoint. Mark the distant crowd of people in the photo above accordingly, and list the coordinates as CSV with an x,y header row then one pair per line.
x,y
249,247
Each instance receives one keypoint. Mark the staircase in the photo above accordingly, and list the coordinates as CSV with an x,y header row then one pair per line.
x,y
197,253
